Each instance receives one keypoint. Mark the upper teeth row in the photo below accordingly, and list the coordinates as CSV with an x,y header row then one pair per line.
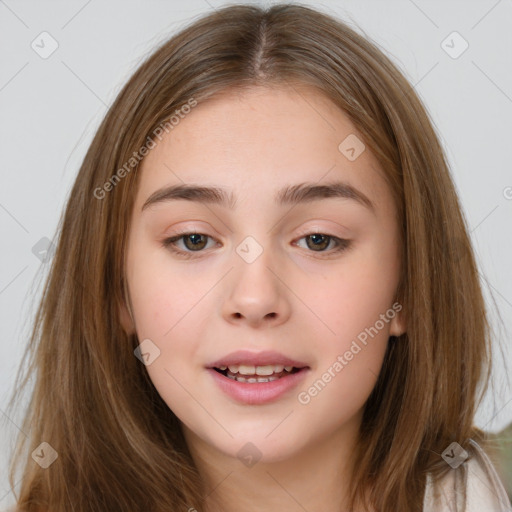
x,y
256,370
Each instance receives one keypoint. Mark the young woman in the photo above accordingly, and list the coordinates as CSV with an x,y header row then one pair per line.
x,y
264,295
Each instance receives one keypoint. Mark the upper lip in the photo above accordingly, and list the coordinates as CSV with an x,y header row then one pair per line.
x,y
246,357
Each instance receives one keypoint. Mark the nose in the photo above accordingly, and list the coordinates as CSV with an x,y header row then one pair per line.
x,y
256,294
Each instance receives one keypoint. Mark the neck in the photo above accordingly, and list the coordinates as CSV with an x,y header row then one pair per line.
x,y
315,478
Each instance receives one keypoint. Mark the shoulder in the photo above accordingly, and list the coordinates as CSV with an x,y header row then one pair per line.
x,y
474,486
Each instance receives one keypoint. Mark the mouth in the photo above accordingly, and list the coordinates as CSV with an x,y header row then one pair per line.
x,y
258,385
256,374
257,378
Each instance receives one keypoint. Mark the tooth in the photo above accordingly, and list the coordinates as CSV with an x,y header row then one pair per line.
x,y
252,380
245,370
267,379
265,370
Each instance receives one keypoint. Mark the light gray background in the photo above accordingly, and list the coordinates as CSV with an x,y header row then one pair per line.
x,y
51,107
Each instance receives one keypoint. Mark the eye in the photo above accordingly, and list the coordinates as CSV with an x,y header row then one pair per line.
x,y
320,241
196,242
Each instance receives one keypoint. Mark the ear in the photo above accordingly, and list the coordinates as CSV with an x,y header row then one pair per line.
x,y
398,325
126,319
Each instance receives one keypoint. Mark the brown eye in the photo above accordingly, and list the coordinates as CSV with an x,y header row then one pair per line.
x,y
195,241
192,242
318,241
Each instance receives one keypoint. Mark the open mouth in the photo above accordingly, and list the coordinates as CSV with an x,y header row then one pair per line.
x,y
251,374
250,384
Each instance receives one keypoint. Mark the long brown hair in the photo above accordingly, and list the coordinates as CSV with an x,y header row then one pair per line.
x,y
119,445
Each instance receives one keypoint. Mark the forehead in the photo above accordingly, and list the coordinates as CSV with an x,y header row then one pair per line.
x,y
258,140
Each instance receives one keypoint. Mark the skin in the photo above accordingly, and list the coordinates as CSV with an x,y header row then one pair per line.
x,y
307,304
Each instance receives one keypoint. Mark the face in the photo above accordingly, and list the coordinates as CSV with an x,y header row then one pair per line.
x,y
313,281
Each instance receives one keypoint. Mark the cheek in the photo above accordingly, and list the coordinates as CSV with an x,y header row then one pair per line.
x,y
355,308
350,343
167,311
352,300
161,295
170,306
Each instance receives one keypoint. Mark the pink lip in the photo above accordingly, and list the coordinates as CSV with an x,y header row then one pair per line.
x,y
256,359
259,392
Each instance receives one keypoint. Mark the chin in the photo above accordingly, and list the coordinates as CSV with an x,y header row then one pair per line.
x,y
260,448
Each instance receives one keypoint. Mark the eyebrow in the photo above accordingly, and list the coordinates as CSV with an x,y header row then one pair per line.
x,y
289,195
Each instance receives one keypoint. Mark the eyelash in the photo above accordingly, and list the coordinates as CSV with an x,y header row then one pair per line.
x,y
169,243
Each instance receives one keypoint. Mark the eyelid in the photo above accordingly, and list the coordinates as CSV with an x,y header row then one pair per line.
x,y
310,230
301,232
341,244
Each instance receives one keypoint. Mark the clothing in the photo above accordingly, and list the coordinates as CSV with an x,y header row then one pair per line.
x,y
477,475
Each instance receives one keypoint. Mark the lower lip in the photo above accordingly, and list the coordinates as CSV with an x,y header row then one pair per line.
x,y
258,392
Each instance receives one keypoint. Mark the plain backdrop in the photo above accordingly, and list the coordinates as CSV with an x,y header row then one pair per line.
x,y
455,53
